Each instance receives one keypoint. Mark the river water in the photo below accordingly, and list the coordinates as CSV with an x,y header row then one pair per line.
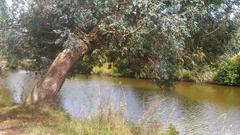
x,y
194,109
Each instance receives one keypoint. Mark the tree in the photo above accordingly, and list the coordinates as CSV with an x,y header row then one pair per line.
x,y
155,30
3,17
213,36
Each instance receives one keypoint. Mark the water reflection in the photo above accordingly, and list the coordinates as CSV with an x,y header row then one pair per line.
x,y
192,108
84,98
218,95
19,83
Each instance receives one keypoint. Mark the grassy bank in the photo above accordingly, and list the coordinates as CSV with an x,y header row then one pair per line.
x,y
26,120
5,96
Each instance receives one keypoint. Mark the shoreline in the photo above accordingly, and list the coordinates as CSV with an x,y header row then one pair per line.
x,y
4,71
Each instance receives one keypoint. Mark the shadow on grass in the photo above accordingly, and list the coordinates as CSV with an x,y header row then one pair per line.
x,y
20,117
24,113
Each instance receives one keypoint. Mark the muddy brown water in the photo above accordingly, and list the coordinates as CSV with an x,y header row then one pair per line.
x,y
194,109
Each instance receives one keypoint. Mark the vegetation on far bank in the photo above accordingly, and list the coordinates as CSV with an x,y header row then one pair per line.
x,y
229,71
224,72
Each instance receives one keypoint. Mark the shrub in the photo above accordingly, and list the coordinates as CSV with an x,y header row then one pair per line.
x,y
84,66
12,64
125,68
205,74
229,72
186,75
106,69
171,131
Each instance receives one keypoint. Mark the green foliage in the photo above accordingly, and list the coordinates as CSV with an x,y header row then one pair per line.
x,y
185,75
1,55
106,69
229,72
13,64
84,66
125,68
171,131
155,38
213,35
131,67
206,74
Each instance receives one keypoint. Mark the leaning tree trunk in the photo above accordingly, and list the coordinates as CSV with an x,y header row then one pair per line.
x,y
46,90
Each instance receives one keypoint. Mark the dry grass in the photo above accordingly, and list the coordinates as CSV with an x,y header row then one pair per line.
x,y
5,96
26,120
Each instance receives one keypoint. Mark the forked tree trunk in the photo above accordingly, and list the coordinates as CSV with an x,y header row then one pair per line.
x,y
46,90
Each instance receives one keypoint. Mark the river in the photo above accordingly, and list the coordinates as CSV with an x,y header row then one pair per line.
x,y
194,109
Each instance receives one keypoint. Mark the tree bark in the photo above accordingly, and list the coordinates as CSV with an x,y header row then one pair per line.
x,y
46,89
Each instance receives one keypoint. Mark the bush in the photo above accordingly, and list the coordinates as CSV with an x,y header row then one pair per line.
x,y
84,66
185,75
125,68
136,68
12,64
171,131
229,72
106,69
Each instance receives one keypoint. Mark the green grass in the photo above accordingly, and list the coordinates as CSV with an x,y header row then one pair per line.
x,y
29,120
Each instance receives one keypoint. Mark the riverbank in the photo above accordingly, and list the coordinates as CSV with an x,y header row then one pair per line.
x,y
226,72
27,120
186,106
